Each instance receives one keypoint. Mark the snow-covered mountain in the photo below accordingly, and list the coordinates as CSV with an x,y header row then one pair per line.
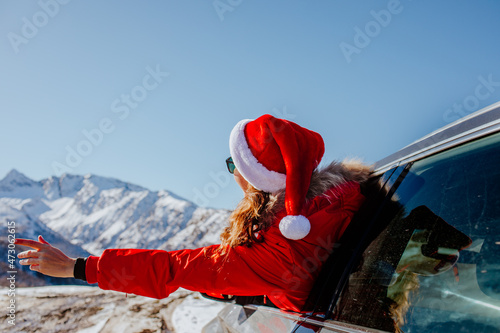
x,y
84,215
94,213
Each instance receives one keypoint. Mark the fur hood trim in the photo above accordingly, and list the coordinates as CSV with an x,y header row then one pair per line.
x,y
323,179
337,173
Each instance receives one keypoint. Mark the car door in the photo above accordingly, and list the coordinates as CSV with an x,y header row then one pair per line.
x,y
434,263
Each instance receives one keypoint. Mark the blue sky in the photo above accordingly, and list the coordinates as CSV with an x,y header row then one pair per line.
x,y
148,91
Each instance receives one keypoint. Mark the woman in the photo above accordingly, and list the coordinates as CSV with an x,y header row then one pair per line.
x,y
284,228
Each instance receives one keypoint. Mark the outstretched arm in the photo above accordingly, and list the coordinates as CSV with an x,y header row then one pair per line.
x,y
45,258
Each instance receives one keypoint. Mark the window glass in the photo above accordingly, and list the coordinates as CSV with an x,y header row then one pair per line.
x,y
435,267
389,177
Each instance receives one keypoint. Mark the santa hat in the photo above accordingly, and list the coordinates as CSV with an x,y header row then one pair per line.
x,y
274,154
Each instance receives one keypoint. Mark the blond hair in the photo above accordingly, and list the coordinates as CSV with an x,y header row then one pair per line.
x,y
253,214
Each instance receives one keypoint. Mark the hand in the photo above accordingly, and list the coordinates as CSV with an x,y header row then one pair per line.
x,y
46,259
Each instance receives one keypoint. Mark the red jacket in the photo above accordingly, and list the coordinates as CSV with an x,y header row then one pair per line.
x,y
284,270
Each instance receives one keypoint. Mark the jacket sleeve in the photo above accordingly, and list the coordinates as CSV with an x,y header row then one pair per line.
x,y
282,269
157,273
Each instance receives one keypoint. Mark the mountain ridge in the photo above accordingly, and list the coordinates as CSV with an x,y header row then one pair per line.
x,y
84,215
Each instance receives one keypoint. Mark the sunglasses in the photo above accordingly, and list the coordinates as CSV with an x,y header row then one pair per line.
x,y
230,165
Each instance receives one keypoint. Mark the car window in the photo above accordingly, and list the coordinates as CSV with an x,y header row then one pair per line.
x,y
389,177
332,275
435,267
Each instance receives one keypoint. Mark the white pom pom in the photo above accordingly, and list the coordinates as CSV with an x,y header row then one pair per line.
x,y
295,226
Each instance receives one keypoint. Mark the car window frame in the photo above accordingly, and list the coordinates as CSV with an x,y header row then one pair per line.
x,y
360,247
408,167
339,266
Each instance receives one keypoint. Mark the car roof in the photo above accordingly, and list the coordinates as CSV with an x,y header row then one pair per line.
x,y
480,123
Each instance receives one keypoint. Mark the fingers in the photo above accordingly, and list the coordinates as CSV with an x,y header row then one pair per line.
x,y
32,243
28,254
42,240
45,259
33,262
30,261
48,260
29,243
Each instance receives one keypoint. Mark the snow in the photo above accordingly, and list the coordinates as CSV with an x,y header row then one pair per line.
x,y
98,213
94,329
194,313
52,290
17,185
84,309
89,212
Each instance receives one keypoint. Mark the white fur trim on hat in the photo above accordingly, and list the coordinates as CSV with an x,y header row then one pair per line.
x,y
248,166
295,226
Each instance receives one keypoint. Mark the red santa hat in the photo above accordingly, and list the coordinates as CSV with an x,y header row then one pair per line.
x,y
274,154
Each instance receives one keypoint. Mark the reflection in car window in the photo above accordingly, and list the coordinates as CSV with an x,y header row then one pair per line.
x,y
435,267
389,177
